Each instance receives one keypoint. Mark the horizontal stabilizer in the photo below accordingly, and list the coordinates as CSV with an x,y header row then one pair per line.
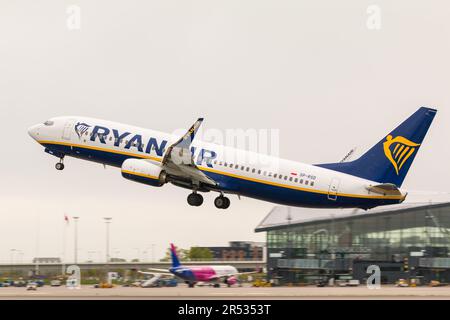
x,y
387,189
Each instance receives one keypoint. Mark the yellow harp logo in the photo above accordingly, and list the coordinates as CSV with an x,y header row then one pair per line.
x,y
398,150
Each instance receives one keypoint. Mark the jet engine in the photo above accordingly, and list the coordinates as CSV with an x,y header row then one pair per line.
x,y
143,171
231,280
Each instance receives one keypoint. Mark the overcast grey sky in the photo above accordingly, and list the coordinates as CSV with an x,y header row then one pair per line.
x,y
312,69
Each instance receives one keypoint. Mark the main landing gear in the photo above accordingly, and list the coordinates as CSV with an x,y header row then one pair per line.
x,y
195,199
222,202
60,165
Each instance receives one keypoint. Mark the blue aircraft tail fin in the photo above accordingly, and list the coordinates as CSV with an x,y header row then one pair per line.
x,y
390,159
173,253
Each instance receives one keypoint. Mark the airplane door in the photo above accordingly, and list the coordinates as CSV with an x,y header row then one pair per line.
x,y
333,189
67,131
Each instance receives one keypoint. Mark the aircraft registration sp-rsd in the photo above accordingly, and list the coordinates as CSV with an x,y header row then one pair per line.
x,y
155,158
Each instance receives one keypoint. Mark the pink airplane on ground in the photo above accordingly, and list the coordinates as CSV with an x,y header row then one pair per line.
x,y
194,274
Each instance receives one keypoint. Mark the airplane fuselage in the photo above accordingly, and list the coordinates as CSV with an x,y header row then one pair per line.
x,y
205,273
235,171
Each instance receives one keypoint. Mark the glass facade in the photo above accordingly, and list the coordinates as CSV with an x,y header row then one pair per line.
x,y
301,250
378,236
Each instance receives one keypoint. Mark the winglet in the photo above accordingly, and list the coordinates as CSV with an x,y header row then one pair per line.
x,y
183,144
189,136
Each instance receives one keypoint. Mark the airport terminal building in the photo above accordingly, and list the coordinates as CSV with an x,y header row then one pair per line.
x,y
406,241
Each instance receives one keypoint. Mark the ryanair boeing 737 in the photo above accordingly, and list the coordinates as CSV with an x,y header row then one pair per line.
x,y
155,158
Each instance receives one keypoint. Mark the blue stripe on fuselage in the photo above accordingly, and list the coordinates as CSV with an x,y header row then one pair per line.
x,y
257,190
291,197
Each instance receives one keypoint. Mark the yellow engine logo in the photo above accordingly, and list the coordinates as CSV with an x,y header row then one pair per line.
x,y
398,150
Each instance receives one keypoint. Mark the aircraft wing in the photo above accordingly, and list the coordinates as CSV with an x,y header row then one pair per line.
x,y
178,160
387,189
155,271
244,273
154,277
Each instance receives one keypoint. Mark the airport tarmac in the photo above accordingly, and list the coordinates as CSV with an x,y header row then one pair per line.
x,y
246,292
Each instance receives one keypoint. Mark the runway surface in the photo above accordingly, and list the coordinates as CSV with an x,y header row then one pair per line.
x,y
183,292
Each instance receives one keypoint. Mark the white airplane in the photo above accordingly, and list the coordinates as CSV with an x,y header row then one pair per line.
x,y
155,158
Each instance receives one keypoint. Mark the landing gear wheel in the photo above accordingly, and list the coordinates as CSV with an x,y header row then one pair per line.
x,y
227,203
59,166
216,285
222,202
191,285
195,199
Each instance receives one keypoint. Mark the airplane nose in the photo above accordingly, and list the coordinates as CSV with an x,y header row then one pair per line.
x,y
33,131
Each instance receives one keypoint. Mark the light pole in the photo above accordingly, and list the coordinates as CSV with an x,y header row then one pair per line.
x,y
75,219
153,252
20,254
12,259
138,254
90,259
116,252
12,255
107,222
145,255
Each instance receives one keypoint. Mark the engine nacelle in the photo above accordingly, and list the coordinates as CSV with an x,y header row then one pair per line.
x,y
231,280
144,172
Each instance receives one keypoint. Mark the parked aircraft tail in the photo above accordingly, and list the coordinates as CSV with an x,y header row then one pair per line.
x,y
173,253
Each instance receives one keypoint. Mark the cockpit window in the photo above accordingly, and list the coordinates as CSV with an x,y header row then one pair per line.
x,y
48,123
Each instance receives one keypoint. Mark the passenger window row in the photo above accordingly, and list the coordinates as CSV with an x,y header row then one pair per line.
x,y
230,165
265,173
